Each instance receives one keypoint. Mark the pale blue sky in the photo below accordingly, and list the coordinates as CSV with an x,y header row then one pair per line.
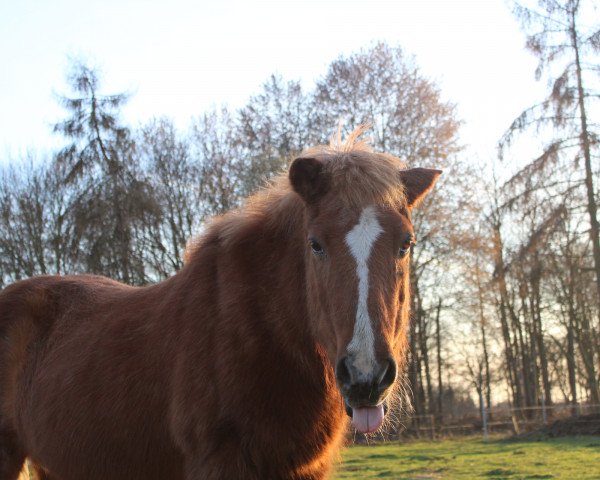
x,y
181,57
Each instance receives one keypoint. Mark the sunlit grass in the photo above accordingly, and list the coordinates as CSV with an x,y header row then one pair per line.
x,y
562,458
572,458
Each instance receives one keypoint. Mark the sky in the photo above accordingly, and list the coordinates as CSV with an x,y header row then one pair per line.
x,y
180,58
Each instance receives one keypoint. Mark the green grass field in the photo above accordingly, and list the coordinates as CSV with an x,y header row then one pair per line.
x,y
573,458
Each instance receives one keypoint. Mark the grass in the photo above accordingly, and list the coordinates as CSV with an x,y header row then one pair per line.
x,y
573,458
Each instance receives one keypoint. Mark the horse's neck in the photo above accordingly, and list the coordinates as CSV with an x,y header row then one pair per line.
x,y
259,259
280,257
253,286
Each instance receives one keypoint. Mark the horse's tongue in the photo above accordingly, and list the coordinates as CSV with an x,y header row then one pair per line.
x,y
367,419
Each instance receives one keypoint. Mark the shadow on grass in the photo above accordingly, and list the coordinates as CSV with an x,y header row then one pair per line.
x,y
499,472
502,473
570,442
385,473
425,458
380,456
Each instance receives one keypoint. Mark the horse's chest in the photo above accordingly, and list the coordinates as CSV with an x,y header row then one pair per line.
x,y
293,427
301,447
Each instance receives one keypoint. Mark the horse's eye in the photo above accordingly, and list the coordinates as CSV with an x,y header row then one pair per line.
x,y
316,247
405,249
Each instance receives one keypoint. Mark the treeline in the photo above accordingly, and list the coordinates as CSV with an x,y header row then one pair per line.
x,y
514,310
123,201
544,223
505,277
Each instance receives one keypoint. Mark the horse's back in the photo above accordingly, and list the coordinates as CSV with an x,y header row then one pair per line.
x,y
81,376
39,300
29,310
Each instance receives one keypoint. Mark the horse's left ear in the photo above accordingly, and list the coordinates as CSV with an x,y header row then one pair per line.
x,y
418,182
308,179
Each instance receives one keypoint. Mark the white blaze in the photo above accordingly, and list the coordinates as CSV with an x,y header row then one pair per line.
x,y
360,240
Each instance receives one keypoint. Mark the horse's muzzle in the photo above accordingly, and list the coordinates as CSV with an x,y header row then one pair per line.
x,y
359,391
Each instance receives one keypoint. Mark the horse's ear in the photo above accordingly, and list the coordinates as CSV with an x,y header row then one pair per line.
x,y
307,178
418,182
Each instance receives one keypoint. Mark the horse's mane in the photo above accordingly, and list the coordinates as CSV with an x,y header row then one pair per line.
x,y
358,175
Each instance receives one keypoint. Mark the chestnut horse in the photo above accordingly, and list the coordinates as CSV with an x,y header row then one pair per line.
x,y
242,365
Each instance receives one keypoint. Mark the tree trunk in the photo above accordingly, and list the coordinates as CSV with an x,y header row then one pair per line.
x,y
425,356
536,276
499,267
414,367
585,145
488,391
571,360
586,348
438,339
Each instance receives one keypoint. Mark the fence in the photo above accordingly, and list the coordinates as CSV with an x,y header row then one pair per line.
x,y
525,419
487,422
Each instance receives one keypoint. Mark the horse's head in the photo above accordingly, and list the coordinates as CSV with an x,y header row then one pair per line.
x,y
358,240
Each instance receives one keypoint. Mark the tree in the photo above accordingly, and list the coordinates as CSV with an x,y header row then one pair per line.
x,y
226,178
166,159
567,52
274,127
383,87
23,224
108,197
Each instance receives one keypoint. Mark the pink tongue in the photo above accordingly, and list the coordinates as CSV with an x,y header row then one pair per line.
x,y
367,419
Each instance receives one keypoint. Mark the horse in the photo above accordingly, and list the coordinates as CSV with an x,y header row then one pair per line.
x,y
287,314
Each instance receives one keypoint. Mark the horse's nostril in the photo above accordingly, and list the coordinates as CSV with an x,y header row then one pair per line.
x,y
387,375
342,373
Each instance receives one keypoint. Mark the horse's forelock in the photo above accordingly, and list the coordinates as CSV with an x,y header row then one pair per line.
x,y
360,178
359,175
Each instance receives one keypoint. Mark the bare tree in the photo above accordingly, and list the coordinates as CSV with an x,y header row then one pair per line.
x,y
108,195
567,51
165,156
274,127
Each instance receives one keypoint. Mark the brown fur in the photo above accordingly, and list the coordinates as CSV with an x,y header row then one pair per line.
x,y
224,370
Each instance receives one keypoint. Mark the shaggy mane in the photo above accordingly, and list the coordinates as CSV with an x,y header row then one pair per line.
x,y
359,176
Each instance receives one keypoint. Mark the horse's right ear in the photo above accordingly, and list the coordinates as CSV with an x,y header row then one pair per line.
x,y
308,179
